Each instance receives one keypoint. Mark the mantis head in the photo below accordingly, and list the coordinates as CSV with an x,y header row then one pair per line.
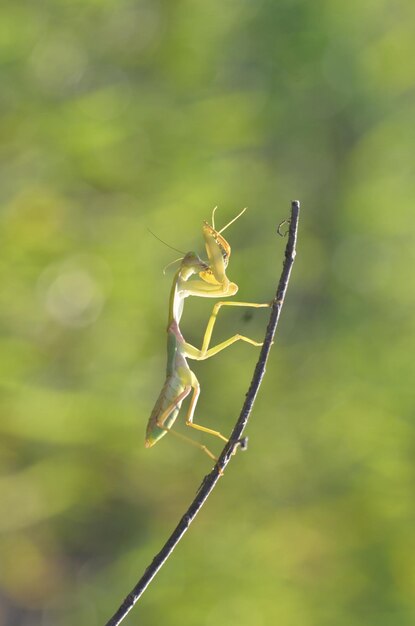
x,y
218,251
190,264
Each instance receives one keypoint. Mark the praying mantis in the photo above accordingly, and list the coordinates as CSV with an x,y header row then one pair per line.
x,y
194,277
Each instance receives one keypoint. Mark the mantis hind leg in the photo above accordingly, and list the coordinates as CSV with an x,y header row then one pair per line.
x,y
156,426
192,407
205,449
160,423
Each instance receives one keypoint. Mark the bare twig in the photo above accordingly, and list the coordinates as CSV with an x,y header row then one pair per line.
x,y
235,440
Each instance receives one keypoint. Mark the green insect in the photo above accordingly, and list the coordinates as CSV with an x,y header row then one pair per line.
x,y
194,277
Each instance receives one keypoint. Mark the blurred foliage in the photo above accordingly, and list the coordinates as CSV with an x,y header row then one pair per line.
x,y
118,116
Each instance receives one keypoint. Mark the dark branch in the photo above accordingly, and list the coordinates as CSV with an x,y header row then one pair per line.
x,y
211,479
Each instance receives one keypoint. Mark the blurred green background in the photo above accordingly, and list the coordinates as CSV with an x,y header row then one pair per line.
x,y
118,116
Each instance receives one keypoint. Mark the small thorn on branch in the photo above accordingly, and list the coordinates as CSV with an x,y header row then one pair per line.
x,y
243,443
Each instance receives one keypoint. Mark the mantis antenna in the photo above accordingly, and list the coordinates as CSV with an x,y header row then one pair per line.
x,y
171,263
213,218
167,244
232,221
229,223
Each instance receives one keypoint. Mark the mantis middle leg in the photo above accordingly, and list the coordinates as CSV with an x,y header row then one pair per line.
x,y
205,352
